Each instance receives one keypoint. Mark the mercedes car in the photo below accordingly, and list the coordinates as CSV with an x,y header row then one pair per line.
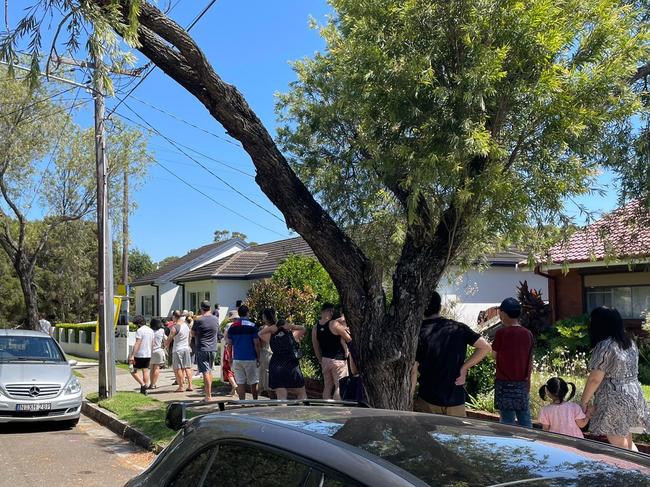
x,y
36,380
325,444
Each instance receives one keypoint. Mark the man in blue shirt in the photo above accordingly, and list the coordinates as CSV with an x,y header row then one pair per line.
x,y
245,343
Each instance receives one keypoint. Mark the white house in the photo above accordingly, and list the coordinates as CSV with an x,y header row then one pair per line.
x,y
156,293
480,289
229,279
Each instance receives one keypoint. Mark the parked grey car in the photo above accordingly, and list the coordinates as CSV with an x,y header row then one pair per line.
x,y
36,380
308,444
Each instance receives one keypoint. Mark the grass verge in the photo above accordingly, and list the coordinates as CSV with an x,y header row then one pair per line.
x,y
81,359
141,412
216,384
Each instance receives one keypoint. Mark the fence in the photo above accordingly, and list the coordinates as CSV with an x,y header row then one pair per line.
x,y
81,343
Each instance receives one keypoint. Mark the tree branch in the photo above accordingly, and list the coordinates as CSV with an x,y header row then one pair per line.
x,y
641,73
186,64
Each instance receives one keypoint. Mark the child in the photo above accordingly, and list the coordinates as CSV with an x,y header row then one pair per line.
x,y
561,416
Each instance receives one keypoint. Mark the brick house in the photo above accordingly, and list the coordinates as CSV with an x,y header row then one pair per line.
x,y
606,263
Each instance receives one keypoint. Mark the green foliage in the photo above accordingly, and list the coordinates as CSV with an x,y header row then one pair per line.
x,y
499,108
301,273
140,263
568,335
223,235
480,378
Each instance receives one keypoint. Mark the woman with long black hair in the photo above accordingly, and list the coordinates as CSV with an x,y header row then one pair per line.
x,y
619,405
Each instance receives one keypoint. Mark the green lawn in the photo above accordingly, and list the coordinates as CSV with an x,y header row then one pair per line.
x,y
141,412
81,359
216,383
646,391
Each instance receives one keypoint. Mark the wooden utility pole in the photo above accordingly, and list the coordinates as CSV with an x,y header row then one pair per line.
x,y
105,248
125,244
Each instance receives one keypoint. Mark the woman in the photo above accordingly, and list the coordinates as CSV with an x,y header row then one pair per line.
x,y
226,360
158,352
181,356
268,319
619,405
284,368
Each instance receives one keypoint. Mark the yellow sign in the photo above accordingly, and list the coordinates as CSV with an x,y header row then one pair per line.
x,y
121,290
117,302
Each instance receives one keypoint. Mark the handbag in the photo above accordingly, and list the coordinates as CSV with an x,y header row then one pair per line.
x,y
351,387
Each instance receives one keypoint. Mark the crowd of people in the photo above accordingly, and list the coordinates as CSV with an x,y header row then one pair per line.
x,y
266,358
612,403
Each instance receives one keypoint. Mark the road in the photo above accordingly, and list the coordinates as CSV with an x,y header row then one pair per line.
x,y
89,455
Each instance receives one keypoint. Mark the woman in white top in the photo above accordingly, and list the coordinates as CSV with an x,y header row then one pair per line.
x,y
158,357
181,353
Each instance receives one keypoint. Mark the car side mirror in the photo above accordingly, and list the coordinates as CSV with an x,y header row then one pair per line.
x,y
176,416
72,363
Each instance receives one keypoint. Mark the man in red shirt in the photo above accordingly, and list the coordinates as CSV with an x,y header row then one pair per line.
x,y
513,351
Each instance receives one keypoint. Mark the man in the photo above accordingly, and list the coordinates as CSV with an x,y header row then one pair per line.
x,y
242,337
205,332
440,360
329,338
45,325
141,353
215,313
513,351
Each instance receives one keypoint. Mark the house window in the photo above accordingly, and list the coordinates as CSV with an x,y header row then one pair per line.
x,y
147,305
194,299
631,301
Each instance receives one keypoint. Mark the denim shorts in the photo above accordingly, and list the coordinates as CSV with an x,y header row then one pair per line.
x,y
205,361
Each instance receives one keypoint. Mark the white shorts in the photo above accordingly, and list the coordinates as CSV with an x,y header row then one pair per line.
x,y
246,372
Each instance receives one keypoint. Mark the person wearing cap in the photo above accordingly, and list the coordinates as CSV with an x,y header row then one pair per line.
x,y
442,362
513,351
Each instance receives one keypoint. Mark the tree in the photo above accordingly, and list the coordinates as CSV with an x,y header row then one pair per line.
x,y
466,119
166,261
300,272
35,126
223,235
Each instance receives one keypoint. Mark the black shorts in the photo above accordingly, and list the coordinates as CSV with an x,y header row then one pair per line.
x,y
141,363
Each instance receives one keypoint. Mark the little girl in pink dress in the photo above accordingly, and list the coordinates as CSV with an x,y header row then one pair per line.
x,y
561,416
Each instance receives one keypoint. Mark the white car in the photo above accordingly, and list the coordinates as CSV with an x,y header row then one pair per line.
x,y
36,380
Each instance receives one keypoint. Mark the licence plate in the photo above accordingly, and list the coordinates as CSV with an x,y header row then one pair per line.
x,y
34,407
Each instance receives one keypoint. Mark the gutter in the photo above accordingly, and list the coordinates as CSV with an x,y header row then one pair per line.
x,y
182,286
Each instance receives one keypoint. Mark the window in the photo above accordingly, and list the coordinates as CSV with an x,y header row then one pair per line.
x,y
190,474
631,301
147,305
194,299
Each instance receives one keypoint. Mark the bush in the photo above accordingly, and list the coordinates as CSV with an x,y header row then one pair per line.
x,y
480,379
568,338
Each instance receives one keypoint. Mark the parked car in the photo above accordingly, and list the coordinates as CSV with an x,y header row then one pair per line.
x,y
36,380
314,444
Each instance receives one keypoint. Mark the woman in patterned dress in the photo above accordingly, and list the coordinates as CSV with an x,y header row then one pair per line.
x,y
619,405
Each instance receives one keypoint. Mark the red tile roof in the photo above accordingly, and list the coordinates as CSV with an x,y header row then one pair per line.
x,y
622,234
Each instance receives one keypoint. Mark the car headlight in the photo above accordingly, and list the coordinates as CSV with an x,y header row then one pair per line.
x,y
73,386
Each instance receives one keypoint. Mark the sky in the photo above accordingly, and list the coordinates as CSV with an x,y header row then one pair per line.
x,y
250,44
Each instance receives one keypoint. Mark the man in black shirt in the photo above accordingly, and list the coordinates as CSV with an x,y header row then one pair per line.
x,y
440,360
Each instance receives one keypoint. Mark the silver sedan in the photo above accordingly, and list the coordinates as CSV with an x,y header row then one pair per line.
x,y
36,380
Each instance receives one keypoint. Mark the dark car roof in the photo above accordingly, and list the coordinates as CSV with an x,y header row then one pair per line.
x,y
447,451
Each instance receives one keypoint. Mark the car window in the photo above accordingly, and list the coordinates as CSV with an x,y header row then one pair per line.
x,y
28,348
190,474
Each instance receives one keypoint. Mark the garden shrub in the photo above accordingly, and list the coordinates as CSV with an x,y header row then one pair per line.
x,y
480,379
569,335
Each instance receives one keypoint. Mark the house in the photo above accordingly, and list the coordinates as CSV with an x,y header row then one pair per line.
x,y
156,293
606,263
228,279
477,290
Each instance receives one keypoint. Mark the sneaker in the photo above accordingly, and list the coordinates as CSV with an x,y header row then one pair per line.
x,y
143,390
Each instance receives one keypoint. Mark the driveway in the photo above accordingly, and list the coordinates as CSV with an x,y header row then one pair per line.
x,y
88,455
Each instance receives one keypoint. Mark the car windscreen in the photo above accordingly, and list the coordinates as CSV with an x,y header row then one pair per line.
x,y
457,454
29,348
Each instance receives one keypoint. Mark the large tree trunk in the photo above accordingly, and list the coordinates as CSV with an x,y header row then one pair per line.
x,y
385,335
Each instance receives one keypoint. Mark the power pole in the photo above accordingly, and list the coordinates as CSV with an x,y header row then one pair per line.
x,y
125,244
105,248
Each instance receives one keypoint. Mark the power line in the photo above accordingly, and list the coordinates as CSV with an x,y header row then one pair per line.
x,y
51,114
51,97
189,28
172,142
176,117
244,217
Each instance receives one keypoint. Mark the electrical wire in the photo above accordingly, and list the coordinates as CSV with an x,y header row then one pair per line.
x,y
51,97
176,117
172,142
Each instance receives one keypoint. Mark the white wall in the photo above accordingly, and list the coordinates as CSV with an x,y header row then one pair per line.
x,y
170,298
231,290
479,290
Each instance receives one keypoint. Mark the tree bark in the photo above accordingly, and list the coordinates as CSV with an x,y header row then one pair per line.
x,y
28,287
385,335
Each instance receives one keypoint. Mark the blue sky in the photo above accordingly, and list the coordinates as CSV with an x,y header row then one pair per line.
x,y
250,44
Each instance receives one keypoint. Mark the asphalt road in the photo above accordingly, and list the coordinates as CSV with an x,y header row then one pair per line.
x,y
88,455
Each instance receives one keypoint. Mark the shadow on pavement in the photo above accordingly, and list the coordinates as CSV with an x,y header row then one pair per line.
x,y
36,427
